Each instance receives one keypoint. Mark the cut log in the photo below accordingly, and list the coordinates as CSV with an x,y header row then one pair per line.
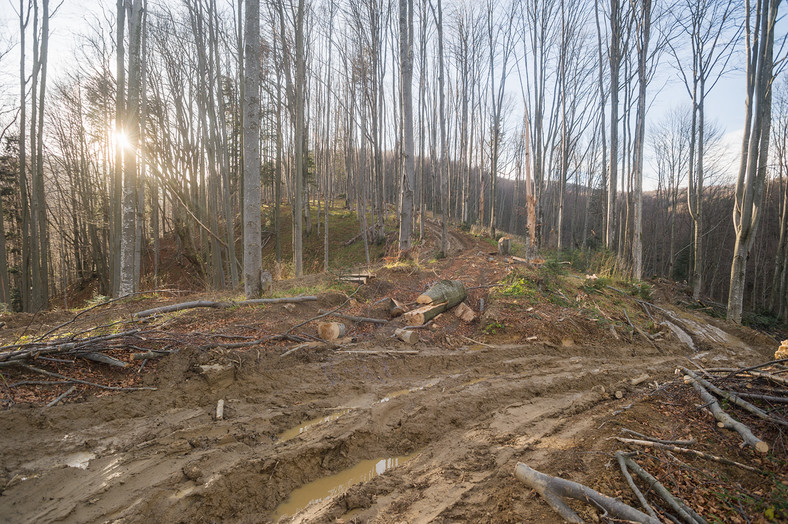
x,y
726,420
465,313
330,330
424,314
735,399
519,260
104,359
408,336
449,291
504,246
553,488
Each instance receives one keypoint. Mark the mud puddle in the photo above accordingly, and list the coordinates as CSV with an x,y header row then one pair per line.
x,y
337,484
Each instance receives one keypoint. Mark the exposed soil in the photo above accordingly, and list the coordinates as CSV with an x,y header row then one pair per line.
x,y
517,385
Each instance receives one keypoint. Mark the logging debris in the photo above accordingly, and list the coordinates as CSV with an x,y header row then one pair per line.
x,y
553,489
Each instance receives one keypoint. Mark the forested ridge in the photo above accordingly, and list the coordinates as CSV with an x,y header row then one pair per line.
x,y
200,124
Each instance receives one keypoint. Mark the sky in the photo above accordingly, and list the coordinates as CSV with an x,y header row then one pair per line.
x,y
724,105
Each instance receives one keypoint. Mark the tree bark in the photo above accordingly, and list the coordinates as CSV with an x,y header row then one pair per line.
x,y
256,282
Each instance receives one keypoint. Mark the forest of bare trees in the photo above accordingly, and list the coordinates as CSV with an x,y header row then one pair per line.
x,y
176,120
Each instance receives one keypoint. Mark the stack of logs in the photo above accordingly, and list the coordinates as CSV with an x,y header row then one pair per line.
x,y
441,297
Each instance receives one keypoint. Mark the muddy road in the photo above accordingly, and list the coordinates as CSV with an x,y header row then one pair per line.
x,y
447,427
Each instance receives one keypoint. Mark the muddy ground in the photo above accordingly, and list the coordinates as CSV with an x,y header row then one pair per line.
x,y
374,431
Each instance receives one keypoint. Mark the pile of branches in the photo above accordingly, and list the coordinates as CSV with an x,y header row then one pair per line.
x,y
765,384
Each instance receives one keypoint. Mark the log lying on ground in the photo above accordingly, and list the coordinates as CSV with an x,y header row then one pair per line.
x,y
735,399
330,330
104,359
408,336
439,298
450,291
553,488
725,420
424,314
220,304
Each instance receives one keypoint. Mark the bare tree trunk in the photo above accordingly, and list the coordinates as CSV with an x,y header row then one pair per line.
x,y
300,81
256,282
643,37
406,73
755,147
128,279
615,64
116,220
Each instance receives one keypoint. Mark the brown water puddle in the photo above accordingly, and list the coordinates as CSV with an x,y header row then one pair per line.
x,y
306,426
336,484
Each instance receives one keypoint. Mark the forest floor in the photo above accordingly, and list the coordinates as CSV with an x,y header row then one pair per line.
x,y
375,430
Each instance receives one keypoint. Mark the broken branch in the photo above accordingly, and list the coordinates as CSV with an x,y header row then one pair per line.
x,y
553,488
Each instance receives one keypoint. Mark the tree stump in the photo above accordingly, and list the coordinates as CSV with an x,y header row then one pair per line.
x,y
504,245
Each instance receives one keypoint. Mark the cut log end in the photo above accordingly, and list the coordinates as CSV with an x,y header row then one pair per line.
x,y
762,447
330,330
465,313
408,336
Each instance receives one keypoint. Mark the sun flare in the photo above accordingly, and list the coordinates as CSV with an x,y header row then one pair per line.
x,y
121,140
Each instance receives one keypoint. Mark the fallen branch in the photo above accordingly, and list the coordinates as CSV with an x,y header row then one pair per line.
x,y
62,396
104,359
679,507
553,488
625,471
735,399
687,451
659,440
220,305
726,420
354,318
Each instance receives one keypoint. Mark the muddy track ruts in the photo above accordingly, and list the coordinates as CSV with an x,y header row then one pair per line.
x,y
464,416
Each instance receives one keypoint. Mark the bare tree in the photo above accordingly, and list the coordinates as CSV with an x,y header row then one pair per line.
x,y
755,143
256,282
406,123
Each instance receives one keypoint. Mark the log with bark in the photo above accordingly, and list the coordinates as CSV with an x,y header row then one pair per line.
x,y
330,330
735,399
725,420
450,291
439,298
220,305
553,489
408,336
